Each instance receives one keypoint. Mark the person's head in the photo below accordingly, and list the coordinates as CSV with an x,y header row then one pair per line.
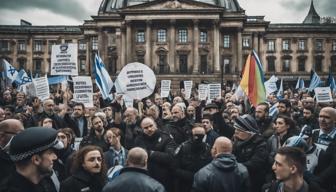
x,y
191,111
20,99
9,111
47,122
309,102
166,105
2,114
33,149
64,136
222,145
234,113
157,99
245,127
177,99
92,111
48,106
78,110
7,96
308,112
137,157
113,136
130,115
297,141
8,129
289,162
178,113
327,119
89,158
198,133
261,111
108,112
207,122
153,111
148,126
284,106
283,124
97,125
211,108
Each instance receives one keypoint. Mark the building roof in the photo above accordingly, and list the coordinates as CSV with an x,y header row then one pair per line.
x,y
313,16
108,6
40,29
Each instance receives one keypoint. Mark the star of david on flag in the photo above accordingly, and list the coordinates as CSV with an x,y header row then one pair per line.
x,y
9,71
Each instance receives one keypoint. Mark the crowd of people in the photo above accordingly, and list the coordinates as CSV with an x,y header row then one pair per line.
x,y
171,144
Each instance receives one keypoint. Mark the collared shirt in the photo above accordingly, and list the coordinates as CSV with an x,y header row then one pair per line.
x,y
116,157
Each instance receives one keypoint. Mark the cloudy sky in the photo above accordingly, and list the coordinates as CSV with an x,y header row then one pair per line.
x,y
74,12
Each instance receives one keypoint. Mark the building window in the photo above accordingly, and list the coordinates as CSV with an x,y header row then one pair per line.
x,y
271,64
285,45
271,45
4,45
319,45
82,65
94,42
37,66
82,45
163,67
183,60
162,35
141,58
286,65
204,64
38,45
50,44
302,45
140,36
318,63
226,63
203,36
183,35
302,64
226,42
22,46
246,42
333,48
22,63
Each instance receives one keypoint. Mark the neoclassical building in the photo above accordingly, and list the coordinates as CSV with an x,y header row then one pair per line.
x,y
200,40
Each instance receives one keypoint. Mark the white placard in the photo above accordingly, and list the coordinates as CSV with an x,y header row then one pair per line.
x,y
83,90
214,91
128,101
270,85
41,87
187,89
165,88
323,94
202,91
136,80
64,59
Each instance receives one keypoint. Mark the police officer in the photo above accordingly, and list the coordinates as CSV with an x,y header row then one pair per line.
x,y
32,150
160,147
191,156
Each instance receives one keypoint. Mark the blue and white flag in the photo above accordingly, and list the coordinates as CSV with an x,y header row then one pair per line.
x,y
300,84
22,78
331,83
103,79
315,81
280,90
273,111
9,71
270,85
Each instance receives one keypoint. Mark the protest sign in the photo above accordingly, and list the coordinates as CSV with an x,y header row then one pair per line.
x,y
202,91
41,87
323,94
128,101
270,85
136,80
83,90
64,59
187,89
165,88
214,91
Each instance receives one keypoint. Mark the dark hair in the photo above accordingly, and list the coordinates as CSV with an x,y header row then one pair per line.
x,y
289,121
294,156
79,104
309,108
116,131
266,106
286,102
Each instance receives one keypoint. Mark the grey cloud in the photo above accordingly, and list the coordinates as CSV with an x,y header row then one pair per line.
x,y
323,8
70,8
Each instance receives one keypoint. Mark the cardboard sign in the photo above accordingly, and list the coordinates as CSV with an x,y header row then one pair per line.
x,y
83,90
165,88
323,94
214,91
64,59
202,91
187,89
41,87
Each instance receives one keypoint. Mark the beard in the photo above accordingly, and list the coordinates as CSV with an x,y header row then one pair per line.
x,y
44,171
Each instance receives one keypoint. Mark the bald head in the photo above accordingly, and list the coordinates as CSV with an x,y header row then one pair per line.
x,y
222,145
137,157
327,119
9,128
330,111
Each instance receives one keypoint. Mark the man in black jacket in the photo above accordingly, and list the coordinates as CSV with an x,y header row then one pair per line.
x,y
77,121
224,173
160,147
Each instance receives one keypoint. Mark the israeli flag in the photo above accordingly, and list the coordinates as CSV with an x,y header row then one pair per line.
x,y
273,111
103,79
315,81
22,78
281,90
331,83
300,84
9,71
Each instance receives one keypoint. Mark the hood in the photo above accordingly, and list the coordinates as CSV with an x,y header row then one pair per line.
x,y
225,162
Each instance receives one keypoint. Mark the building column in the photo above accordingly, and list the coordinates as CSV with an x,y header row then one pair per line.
x,y
123,60
310,58
216,46
129,56
239,52
195,47
171,54
119,49
148,57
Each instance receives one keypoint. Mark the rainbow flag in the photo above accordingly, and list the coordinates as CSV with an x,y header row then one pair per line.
x,y
252,81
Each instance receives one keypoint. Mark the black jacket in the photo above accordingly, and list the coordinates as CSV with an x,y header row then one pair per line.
x,y
82,181
160,147
223,174
222,128
180,130
133,179
72,123
307,187
92,139
7,166
252,153
58,121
